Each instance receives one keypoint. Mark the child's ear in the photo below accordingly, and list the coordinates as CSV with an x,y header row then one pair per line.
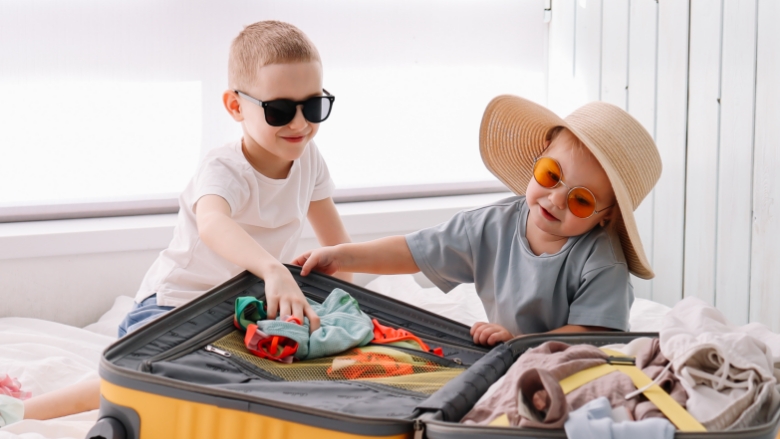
x,y
605,220
232,105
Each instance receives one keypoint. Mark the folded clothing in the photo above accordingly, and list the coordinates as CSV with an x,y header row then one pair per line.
x,y
597,419
342,326
730,373
531,395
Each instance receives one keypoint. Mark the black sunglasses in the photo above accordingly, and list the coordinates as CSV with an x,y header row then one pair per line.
x,y
280,112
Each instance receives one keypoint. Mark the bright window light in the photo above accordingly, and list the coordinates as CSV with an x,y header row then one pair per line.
x,y
118,101
422,128
97,140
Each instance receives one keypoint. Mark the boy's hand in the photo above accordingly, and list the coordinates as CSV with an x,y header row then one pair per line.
x,y
325,260
489,333
282,294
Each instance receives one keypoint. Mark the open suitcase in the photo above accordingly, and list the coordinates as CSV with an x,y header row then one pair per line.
x,y
188,375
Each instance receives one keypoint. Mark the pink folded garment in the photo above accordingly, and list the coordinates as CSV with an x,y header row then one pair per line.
x,y
11,387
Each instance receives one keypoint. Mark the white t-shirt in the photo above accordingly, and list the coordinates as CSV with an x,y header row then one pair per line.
x,y
271,211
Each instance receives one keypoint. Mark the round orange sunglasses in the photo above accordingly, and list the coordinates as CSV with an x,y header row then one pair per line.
x,y
580,200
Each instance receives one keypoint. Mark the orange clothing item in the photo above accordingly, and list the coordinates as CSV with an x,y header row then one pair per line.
x,y
368,365
386,335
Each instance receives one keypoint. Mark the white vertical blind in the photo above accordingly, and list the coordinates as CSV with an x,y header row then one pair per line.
x,y
765,258
701,204
642,66
671,114
735,167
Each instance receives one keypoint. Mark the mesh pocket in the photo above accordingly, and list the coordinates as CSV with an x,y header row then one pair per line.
x,y
375,364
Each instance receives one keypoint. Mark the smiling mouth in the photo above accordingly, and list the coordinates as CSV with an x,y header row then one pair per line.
x,y
294,139
547,215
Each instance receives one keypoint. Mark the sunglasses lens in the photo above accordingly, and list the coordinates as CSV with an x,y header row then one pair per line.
x,y
581,201
279,113
547,172
315,110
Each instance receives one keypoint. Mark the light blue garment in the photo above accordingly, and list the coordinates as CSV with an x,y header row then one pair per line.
x,y
141,314
11,410
342,326
585,283
594,421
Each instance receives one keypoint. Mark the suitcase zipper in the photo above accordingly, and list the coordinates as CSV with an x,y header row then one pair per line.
x,y
218,351
419,429
190,345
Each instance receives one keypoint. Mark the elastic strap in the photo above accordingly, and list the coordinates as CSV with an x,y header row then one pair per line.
x,y
673,411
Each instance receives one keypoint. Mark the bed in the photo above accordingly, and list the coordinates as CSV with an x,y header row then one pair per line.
x,y
46,356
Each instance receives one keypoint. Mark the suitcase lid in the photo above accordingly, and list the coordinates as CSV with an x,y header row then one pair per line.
x,y
127,361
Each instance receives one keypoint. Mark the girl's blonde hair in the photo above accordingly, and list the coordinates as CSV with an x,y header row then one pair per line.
x,y
263,43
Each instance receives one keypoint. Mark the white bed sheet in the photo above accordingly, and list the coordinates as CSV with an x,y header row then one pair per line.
x,y
46,356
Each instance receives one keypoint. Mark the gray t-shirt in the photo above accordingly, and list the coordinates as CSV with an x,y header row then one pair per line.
x,y
585,283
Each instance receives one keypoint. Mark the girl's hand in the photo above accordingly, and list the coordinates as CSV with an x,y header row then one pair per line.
x,y
324,260
282,294
489,334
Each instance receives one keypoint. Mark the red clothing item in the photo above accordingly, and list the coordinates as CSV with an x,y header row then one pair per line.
x,y
272,347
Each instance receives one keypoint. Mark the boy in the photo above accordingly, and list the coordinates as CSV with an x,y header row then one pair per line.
x,y
245,206
557,258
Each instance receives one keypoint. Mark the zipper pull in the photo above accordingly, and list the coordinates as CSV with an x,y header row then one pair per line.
x,y
419,429
218,351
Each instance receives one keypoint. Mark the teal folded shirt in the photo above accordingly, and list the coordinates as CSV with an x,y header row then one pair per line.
x,y
342,326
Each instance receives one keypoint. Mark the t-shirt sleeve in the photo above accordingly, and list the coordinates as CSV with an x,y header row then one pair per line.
x,y
603,299
444,252
220,176
323,184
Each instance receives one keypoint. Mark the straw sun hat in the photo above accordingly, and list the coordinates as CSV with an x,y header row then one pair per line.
x,y
512,136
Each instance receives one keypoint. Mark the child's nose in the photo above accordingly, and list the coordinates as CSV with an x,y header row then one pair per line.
x,y
558,196
298,121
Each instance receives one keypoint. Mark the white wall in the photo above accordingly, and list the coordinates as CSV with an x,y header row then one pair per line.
x,y
701,76
70,271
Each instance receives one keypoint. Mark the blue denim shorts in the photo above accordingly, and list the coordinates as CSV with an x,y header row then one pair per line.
x,y
141,314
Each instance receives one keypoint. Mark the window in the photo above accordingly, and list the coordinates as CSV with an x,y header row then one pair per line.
x,y
116,102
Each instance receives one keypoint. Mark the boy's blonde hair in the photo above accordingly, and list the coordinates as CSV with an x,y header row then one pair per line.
x,y
263,43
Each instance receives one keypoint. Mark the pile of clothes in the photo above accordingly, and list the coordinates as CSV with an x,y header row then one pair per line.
x,y
342,326
701,373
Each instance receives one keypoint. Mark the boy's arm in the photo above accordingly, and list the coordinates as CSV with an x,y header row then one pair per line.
x,y
327,225
226,238
389,255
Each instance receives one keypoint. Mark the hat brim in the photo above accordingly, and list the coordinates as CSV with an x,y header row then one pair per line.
x,y
511,138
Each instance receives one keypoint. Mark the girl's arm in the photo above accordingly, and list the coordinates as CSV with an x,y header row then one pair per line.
x,y
580,328
389,255
327,225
